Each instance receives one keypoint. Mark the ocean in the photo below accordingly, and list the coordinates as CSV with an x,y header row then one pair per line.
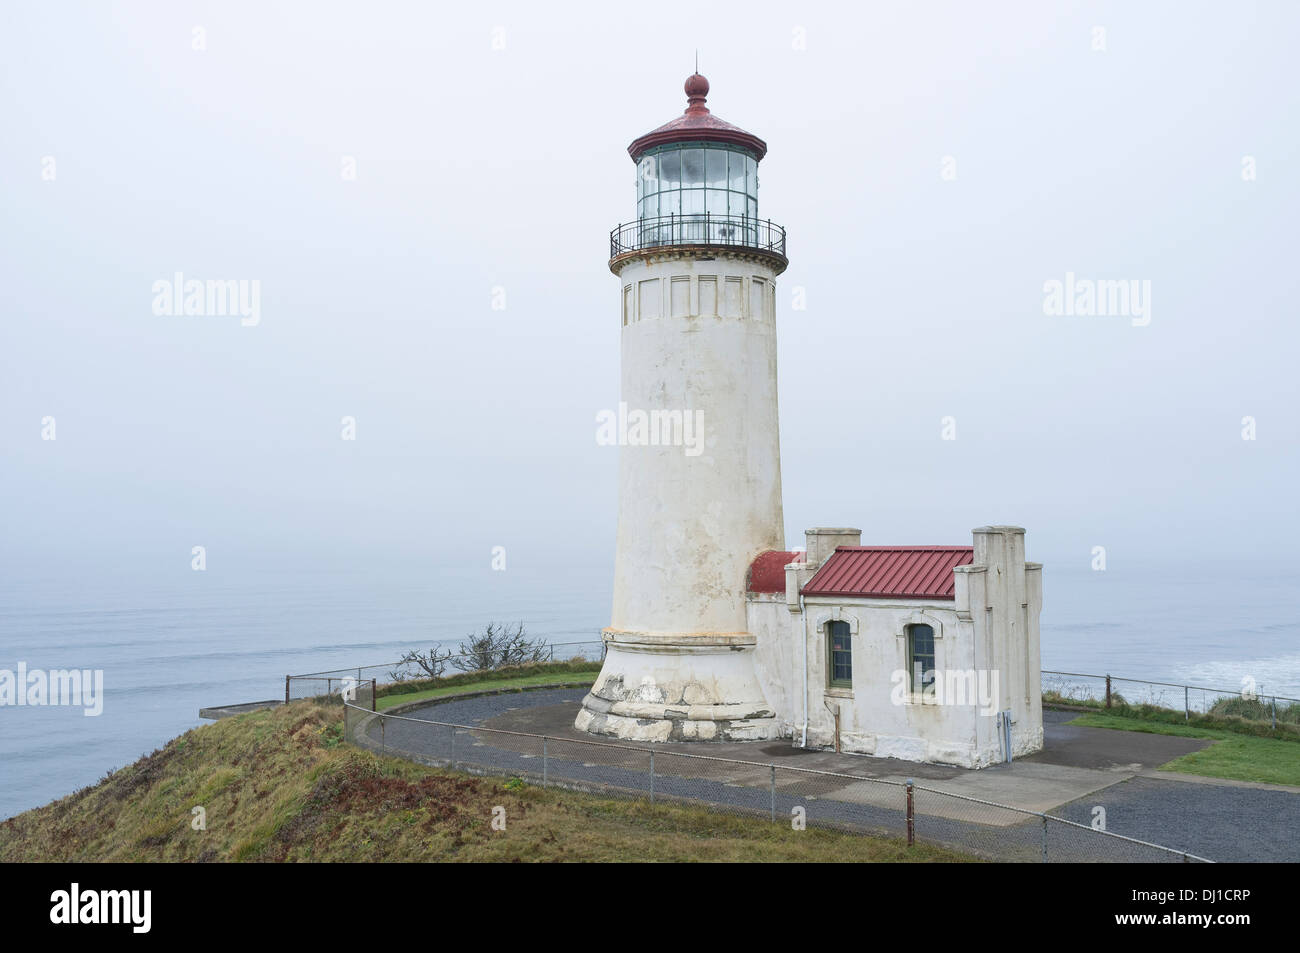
x,y
170,647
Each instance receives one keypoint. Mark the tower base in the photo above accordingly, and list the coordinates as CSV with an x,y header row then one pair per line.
x,y
658,686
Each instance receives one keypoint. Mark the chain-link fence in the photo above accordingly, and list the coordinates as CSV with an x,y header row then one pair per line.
x,y
1248,703
777,792
780,792
315,684
347,689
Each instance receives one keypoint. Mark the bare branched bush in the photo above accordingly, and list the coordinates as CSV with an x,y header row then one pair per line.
x,y
433,665
498,646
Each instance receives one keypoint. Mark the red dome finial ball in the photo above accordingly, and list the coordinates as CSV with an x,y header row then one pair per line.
x,y
697,88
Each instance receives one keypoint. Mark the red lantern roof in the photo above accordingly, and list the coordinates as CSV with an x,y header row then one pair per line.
x,y
698,124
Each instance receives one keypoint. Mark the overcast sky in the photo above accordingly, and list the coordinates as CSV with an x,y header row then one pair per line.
x,y
489,143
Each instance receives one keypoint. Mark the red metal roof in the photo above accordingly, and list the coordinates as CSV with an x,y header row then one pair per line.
x,y
767,571
698,124
890,571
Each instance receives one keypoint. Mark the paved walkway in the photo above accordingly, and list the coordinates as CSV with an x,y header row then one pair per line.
x,y
1078,770
1076,762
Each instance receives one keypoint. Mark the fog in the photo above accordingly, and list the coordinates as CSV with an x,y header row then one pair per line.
x,y
935,165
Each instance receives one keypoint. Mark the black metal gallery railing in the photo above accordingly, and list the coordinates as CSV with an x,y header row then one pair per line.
x,y
739,231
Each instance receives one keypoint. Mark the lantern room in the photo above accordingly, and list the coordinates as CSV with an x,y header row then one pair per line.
x,y
692,178
697,184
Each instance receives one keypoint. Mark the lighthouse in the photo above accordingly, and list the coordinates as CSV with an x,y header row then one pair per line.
x,y
699,465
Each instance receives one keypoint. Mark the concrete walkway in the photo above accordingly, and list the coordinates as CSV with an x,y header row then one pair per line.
x,y
1079,770
215,712
1076,761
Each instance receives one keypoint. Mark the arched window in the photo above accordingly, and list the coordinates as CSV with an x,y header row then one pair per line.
x,y
920,655
839,651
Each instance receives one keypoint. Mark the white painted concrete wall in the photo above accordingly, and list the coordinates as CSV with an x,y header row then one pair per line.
x,y
697,335
776,658
991,626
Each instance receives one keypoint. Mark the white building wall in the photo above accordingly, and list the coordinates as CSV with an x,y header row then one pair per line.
x,y
991,626
698,339
775,656
1009,592
697,335
878,715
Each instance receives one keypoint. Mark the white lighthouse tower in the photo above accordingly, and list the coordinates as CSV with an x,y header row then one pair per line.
x,y
699,469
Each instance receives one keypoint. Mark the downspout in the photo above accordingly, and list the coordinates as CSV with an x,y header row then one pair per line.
x,y
803,623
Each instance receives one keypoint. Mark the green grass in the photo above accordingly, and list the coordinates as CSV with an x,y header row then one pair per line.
x,y
275,786
1056,698
1234,755
1235,715
580,667
487,683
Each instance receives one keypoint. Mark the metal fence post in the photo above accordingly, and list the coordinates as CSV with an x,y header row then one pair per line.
x,y
544,771
374,695
1107,691
773,767
286,689
1044,838
383,735
1275,713
911,816
1187,705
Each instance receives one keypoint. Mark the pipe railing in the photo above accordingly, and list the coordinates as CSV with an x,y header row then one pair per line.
x,y
733,231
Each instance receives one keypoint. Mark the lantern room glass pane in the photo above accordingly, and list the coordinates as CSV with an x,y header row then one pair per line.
x,y
647,173
692,168
736,170
670,169
715,168
696,180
